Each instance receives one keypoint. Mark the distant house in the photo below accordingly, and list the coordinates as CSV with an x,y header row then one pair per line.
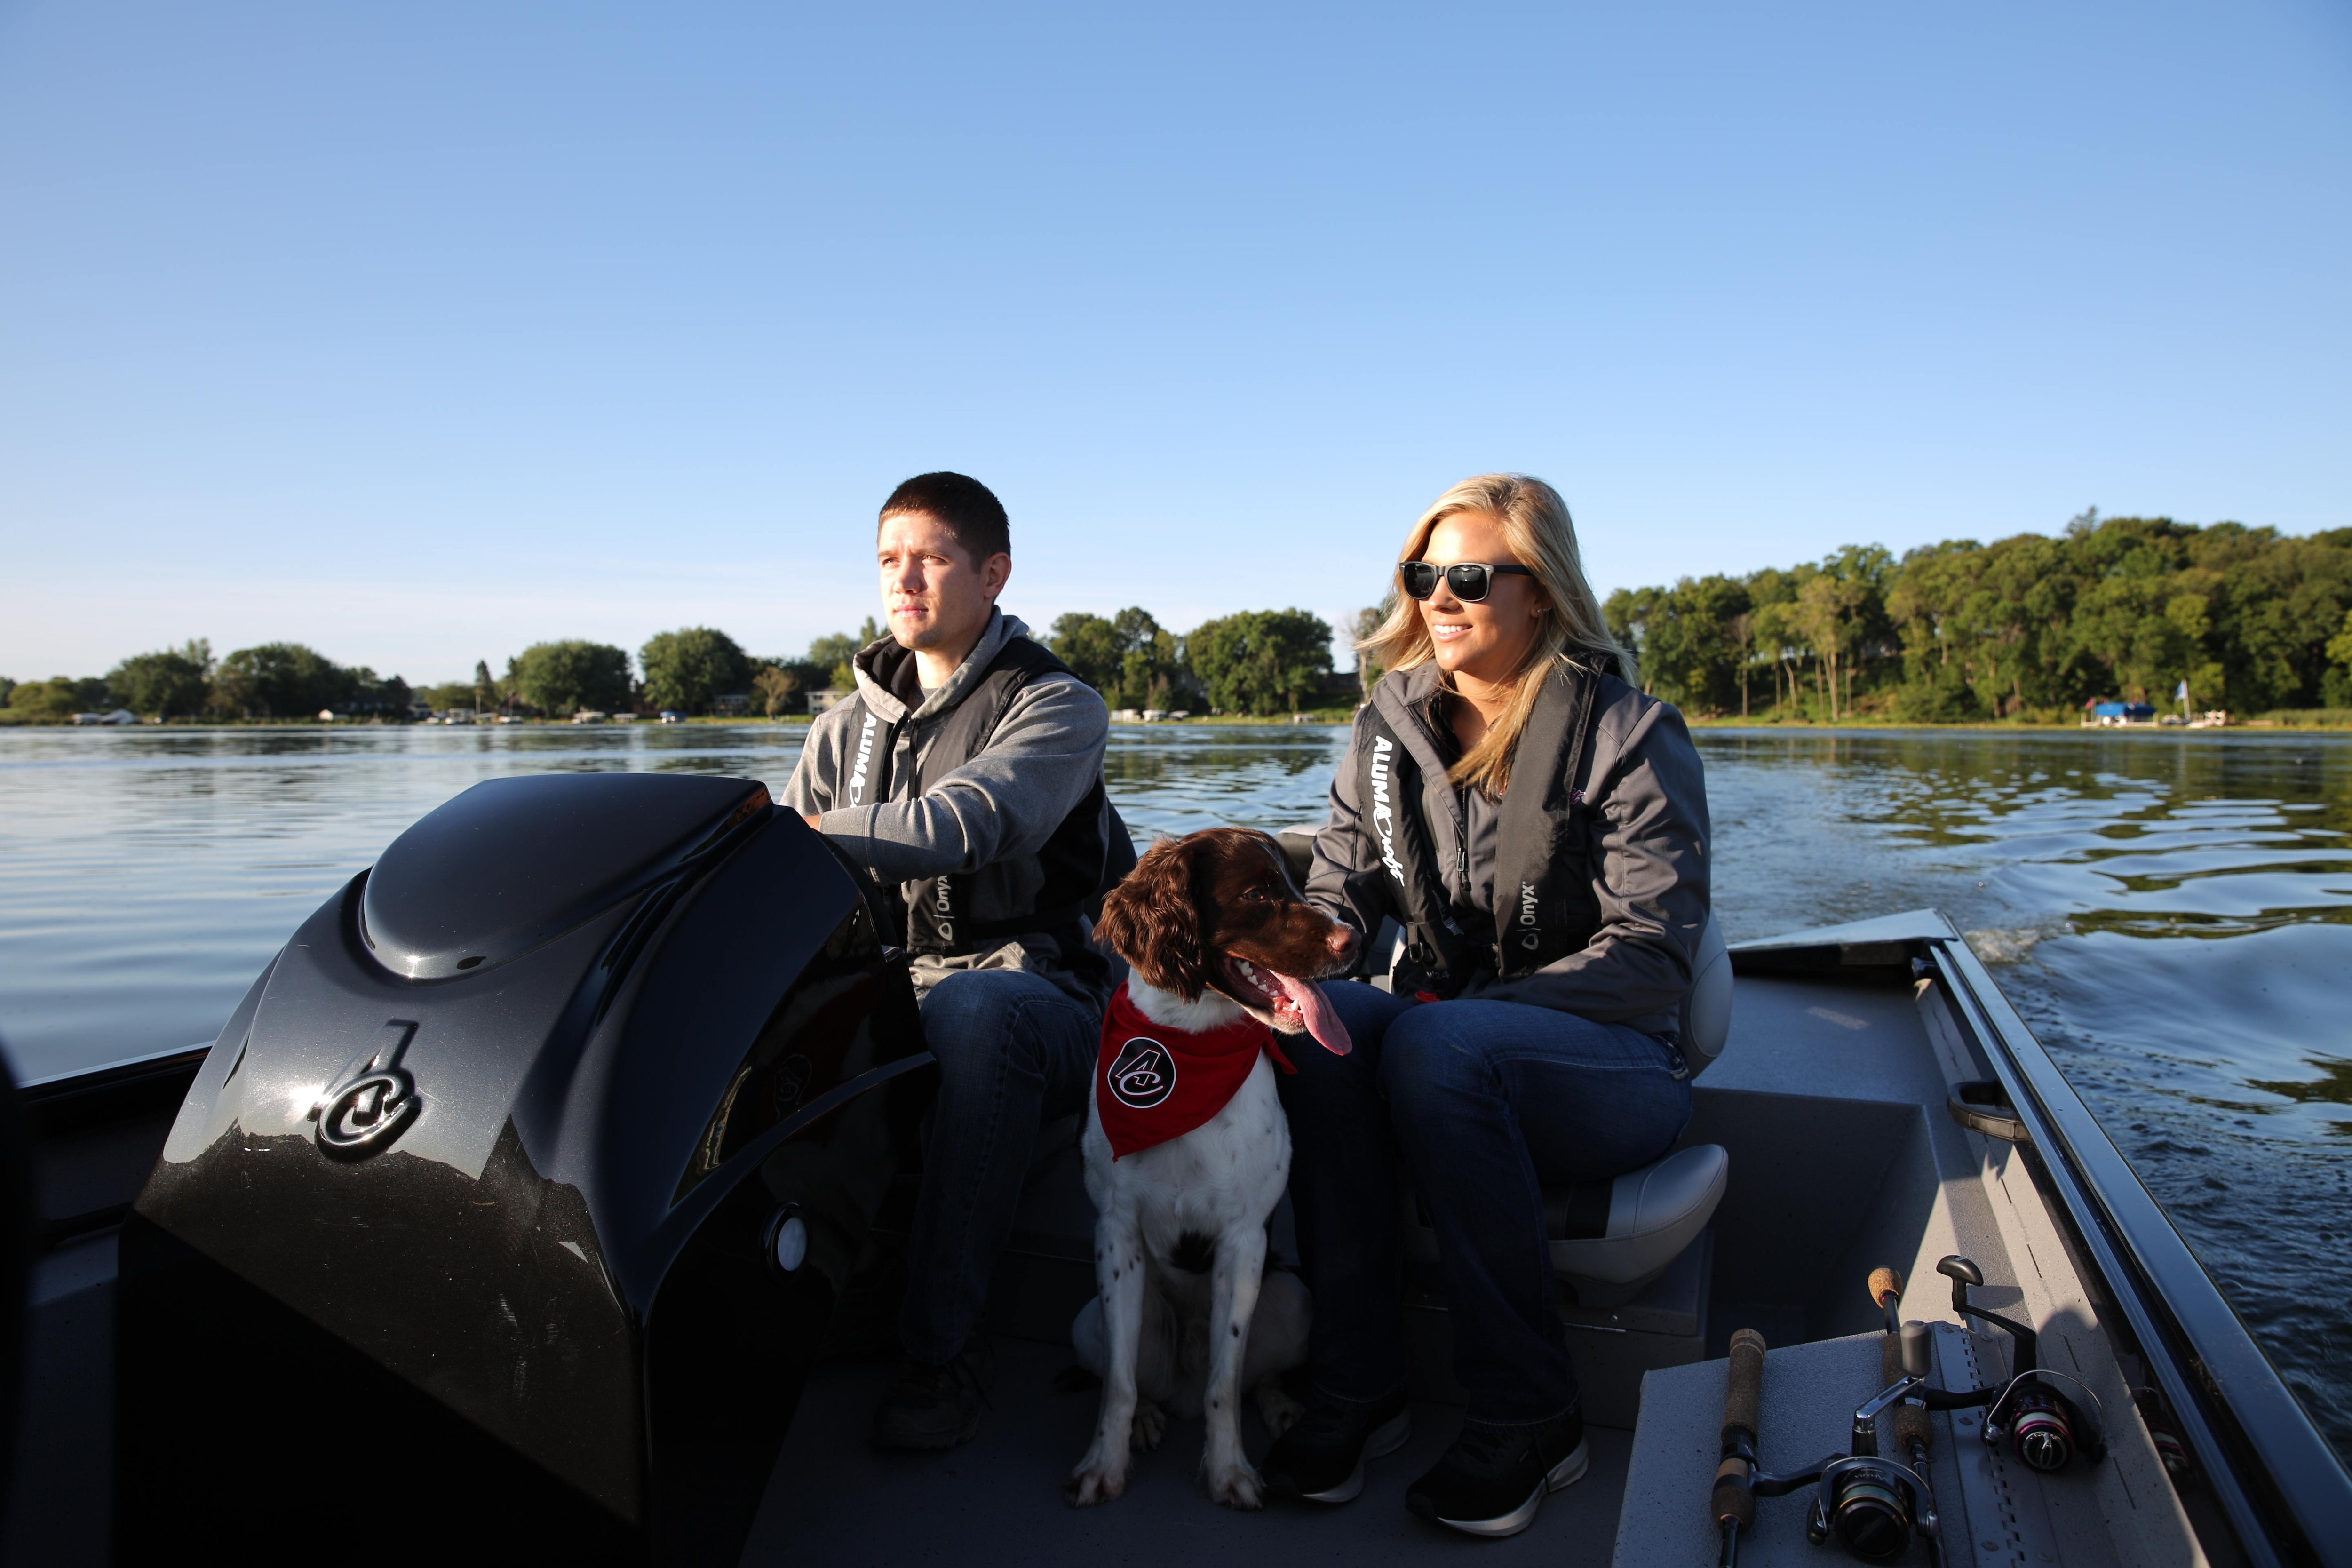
x,y
821,701
733,704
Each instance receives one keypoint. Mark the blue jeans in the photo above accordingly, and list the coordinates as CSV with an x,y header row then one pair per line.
x,y
1014,1052
1482,1104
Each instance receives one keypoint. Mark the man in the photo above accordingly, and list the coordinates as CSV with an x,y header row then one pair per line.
x,y
966,773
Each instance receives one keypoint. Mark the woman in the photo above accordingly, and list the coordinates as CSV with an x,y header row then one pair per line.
x,y
1538,826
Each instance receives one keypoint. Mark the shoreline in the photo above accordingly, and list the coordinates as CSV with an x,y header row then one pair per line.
x,y
1326,718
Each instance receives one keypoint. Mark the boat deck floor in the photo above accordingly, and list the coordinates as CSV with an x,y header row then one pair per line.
x,y
835,1500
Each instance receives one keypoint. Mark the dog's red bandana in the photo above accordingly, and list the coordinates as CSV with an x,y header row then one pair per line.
x,y
1153,1083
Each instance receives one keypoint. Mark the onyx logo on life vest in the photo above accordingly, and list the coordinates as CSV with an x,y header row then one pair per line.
x,y
943,905
1529,936
372,1101
1142,1075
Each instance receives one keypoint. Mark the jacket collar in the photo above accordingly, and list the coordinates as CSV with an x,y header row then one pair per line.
x,y
1402,698
879,664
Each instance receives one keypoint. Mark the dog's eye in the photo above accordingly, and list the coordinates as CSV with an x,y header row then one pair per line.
x,y
1258,896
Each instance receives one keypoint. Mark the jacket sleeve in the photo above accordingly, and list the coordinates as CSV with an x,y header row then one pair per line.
x,y
1650,838
1346,879
1046,752
810,789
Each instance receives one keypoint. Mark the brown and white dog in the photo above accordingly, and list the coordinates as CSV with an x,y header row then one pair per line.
x,y
1214,933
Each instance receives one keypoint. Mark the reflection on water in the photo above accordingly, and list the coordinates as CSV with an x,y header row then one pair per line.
x,y
2172,913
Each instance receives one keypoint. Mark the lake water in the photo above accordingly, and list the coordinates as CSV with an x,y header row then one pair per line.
x,y
2171,913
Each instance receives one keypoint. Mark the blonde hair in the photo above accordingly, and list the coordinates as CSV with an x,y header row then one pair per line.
x,y
1540,533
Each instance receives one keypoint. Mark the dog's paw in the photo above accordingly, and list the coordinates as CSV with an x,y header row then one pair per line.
x,y
1235,1485
1151,1426
1277,1409
1095,1481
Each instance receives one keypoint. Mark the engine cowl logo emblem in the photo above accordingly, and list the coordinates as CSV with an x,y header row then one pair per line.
x,y
372,1101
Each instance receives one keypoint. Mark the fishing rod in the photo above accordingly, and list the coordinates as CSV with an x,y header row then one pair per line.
x,y
1875,1505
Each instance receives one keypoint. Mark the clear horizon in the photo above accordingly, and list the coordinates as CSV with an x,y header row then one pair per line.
x,y
421,335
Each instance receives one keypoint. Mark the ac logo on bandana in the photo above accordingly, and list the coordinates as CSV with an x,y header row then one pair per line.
x,y
1143,1076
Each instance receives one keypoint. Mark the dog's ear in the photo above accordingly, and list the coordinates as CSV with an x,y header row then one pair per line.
x,y
1150,921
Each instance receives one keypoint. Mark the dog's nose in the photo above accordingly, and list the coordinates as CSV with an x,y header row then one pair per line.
x,y
1344,940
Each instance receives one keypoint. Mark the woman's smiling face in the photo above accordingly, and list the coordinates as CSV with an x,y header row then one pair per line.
x,y
1487,641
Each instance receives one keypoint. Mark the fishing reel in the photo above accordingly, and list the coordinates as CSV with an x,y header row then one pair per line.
x,y
1873,1505
2046,1426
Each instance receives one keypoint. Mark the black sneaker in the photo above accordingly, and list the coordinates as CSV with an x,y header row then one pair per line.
x,y
937,1406
1322,1456
1493,1479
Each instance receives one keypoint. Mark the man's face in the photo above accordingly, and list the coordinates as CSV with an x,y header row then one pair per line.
x,y
935,595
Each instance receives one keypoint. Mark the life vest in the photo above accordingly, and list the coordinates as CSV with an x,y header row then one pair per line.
x,y
1544,905
1153,1083
1048,891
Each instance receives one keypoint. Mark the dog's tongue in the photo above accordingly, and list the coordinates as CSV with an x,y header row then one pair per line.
x,y
1321,1022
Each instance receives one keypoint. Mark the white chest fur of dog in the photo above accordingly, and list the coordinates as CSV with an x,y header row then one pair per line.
x,y
1185,1315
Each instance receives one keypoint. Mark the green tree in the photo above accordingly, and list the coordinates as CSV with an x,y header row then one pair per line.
x,y
685,668
1091,647
837,653
50,702
486,691
1150,663
1261,661
279,680
452,694
1130,658
562,678
171,683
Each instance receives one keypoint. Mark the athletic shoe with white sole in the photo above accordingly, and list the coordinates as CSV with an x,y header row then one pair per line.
x,y
1322,1457
1492,1480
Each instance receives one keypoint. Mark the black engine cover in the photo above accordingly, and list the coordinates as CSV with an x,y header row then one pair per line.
x,y
486,1132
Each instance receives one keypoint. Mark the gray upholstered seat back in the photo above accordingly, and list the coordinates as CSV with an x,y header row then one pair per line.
x,y
1707,1009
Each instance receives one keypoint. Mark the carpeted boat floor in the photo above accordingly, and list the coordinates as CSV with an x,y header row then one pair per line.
x,y
836,1501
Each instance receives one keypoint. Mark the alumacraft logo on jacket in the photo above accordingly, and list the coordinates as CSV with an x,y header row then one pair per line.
x,y
1153,1083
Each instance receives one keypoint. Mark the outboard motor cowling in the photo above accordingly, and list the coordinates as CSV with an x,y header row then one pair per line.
x,y
521,1185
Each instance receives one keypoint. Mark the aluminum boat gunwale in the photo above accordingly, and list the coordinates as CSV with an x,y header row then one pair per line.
x,y
2293,1502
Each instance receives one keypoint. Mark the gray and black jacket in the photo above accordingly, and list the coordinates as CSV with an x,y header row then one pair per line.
x,y
1595,860
982,802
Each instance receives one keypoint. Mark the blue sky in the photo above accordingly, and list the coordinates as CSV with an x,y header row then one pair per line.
x,y
420,332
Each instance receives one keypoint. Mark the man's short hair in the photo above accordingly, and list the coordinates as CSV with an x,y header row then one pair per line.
x,y
964,506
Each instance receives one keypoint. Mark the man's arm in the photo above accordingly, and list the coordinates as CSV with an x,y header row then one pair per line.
x,y
810,789
1046,755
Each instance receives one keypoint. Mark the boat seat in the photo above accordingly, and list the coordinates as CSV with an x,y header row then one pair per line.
x,y
1609,1238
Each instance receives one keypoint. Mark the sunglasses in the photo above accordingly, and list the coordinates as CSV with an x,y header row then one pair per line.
x,y
1470,579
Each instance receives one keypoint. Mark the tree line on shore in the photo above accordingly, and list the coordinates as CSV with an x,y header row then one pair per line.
x,y
1257,662
2027,628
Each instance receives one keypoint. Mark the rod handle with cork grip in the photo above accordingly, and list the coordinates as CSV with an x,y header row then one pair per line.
x,y
1902,1354
1908,1350
1733,1500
